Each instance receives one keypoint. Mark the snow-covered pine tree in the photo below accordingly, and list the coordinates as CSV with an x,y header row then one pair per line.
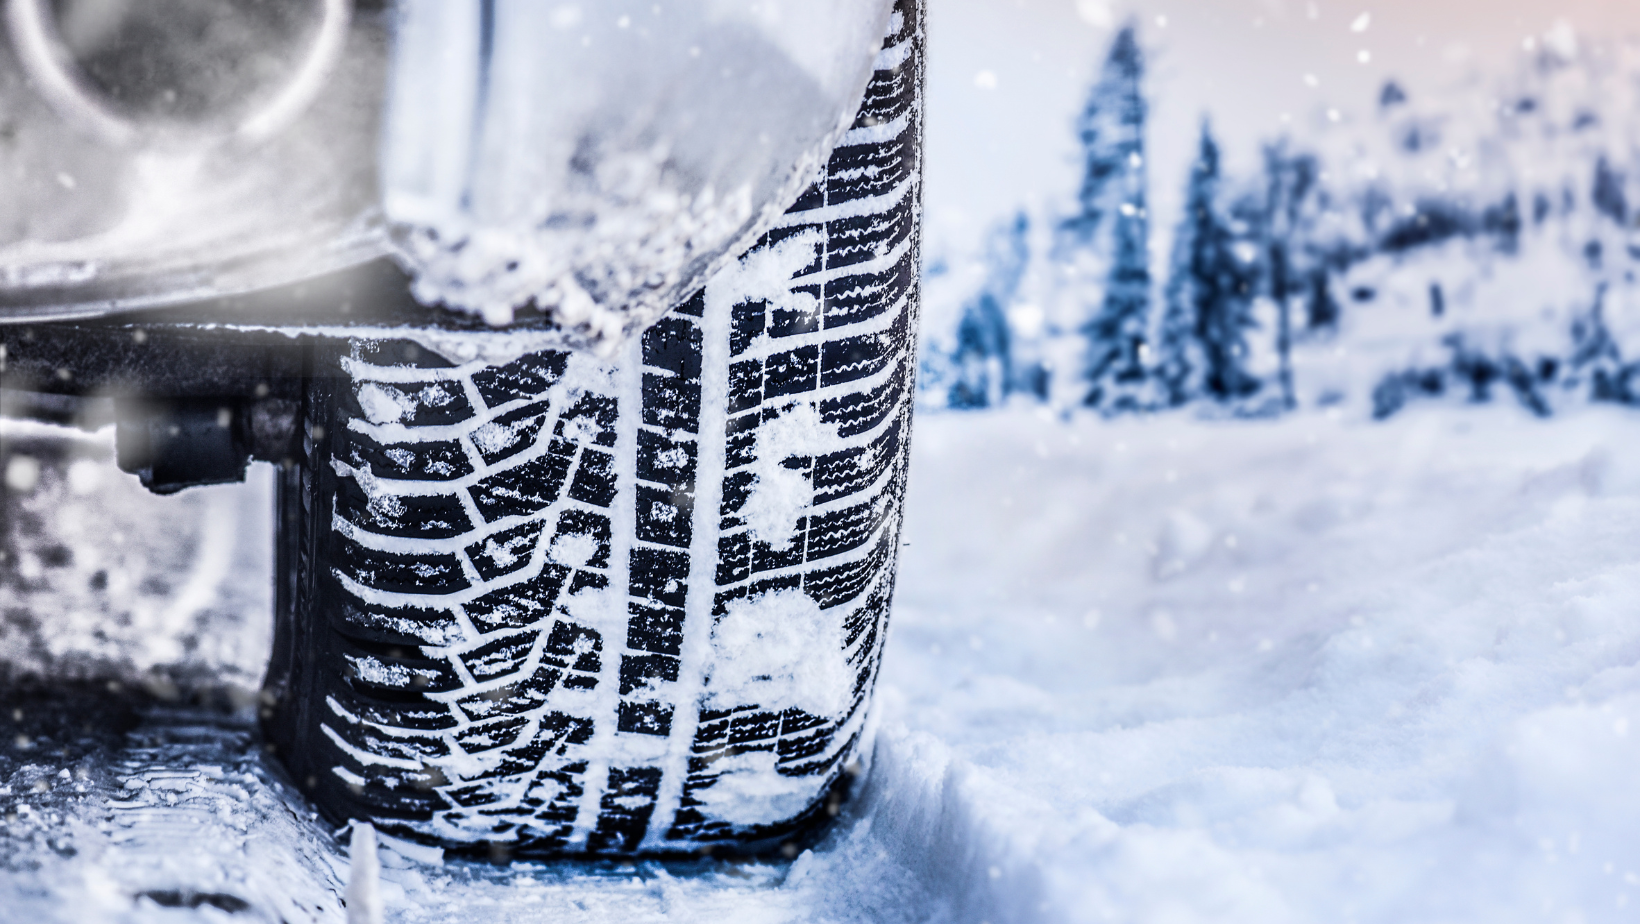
x,y
1180,363
1607,193
1111,231
1209,296
1289,180
1596,358
983,365
980,364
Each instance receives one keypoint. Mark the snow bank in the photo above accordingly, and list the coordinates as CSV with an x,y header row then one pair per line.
x,y
1394,683
1147,670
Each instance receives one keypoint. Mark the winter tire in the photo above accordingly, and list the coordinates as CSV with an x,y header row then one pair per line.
x,y
557,606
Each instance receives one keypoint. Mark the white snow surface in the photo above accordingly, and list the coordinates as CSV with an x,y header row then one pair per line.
x,y
1159,670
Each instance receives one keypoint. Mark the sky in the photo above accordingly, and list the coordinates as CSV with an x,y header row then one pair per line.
x,y
1007,78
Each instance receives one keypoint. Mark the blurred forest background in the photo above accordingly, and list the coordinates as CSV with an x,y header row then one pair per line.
x,y
1473,240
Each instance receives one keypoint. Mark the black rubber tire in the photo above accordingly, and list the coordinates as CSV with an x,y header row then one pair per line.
x,y
508,594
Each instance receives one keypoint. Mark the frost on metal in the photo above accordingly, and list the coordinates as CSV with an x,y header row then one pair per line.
x,y
599,165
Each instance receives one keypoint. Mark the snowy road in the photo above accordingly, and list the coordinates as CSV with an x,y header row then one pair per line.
x,y
1152,670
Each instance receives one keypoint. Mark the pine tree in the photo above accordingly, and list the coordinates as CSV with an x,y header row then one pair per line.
x,y
1608,195
1209,296
1113,223
1180,363
983,360
1289,180
1596,357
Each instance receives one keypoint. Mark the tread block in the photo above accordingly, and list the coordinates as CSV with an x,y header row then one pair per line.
x,y
673,344
737,490
420,714
522,489
556,794
523,604
796,748
768,558
721,601
380,625
853,358
425,573
664,460
506,551
711,733
659,575
742,439
789,322
425,747
853,470
589,421
793,721
404,354
487,736
657,629
749,728
499,657
863,238
644,718
812,198
525,377
584,580
747,322
745,385
779,235
387,673
577,681
577,646
472,796
695,306
864,296
420,404
859,412
515,698
842,530
886,94
860,171
734,558
831,587
510,433
390,795
558,731
411,516
594,527
624,810
670,402
664,516
594,479
865,618
430,460
554,734
770,585
637,671
794,372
